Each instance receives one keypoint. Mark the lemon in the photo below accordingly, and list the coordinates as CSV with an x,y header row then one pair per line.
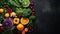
x,y
7,15
1,10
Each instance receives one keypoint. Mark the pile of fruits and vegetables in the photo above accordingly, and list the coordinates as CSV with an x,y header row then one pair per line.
x,y
16,15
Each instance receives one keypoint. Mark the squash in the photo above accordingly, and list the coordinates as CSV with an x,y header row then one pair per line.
x,y
16,20
24,21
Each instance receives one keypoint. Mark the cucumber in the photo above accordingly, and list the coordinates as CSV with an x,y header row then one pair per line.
x,y
13,3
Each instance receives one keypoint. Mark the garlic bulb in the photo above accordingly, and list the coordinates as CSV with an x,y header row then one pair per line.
x,y
13,14
0,24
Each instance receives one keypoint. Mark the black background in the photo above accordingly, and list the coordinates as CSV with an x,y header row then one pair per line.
x,y
47,15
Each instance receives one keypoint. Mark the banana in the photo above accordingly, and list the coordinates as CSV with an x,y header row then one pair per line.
x,y
13,3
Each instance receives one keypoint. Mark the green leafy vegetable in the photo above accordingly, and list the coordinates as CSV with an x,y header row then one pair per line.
x,y
26,12
19,11
14,2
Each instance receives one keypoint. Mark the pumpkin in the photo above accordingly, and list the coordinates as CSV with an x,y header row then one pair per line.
x,y
24,21
1,10
7,15
16,20
20,27
26,29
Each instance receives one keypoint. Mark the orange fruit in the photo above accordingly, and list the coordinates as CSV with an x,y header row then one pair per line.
x,y
20,27
24,21
1,10
7,15
26,29
23,32
16,20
